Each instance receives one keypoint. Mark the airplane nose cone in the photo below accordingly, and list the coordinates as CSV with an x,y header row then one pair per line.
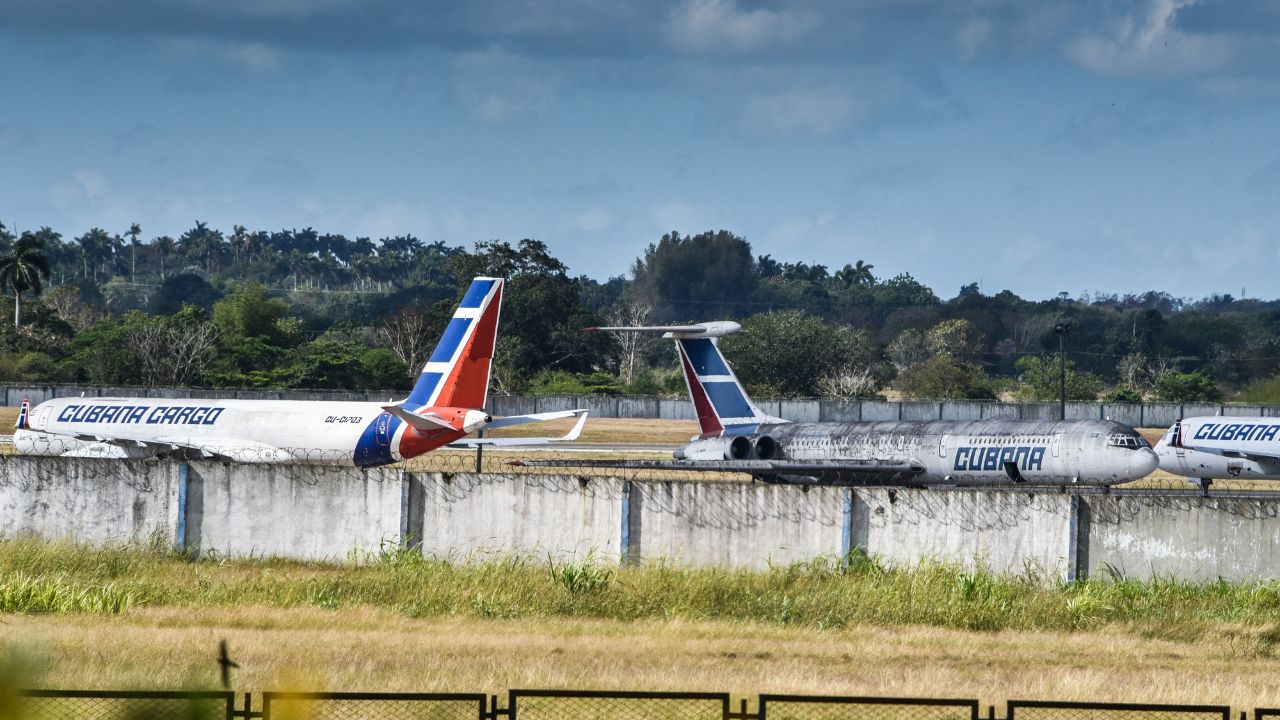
x,y
1142,463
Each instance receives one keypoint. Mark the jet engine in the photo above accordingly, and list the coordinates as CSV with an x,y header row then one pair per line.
x,y
739,447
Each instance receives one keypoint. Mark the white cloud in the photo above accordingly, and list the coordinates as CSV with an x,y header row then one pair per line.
x,y
595,220
254,58
1149,43
702,25
93,183
817,111
972,36
681,216
497,87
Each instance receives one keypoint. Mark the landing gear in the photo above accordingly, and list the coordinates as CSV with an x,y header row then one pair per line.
x,y
1203,484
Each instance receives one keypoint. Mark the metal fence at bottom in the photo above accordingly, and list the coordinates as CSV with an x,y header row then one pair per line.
x,y
806,707
1049,710
604,705
373,706
121,705
565,705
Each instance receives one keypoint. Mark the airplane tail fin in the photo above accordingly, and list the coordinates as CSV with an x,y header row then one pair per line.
x,y
457,373
24,416
722,404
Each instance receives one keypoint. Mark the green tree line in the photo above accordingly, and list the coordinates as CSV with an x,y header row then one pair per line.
x,y
301,308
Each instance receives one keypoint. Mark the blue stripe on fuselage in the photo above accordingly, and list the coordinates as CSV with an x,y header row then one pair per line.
x,y
374,446
728,400
705,358
475,293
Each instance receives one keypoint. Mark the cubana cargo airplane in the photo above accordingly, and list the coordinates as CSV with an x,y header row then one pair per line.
x,y
1204,449
738,437
445,405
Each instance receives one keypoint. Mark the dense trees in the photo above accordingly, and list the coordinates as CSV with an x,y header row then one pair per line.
x,y
23,268
299,307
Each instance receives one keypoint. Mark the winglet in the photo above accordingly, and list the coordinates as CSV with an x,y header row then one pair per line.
x,y
24,416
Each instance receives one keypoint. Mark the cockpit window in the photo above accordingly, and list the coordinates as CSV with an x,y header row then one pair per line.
x,y
1129,442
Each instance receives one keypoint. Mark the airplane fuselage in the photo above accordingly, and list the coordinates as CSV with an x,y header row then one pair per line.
x,y
256,431
1212,448
966,453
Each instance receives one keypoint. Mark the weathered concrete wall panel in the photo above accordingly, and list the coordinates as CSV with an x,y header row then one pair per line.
x,y
1002,530
89,501
547,515
732,524
1192,538
292,511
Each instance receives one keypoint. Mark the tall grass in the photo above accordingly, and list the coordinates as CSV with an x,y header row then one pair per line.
x,y
38,577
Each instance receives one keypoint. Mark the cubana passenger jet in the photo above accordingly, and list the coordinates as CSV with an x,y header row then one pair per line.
x,y
738,437
446,404
1204,449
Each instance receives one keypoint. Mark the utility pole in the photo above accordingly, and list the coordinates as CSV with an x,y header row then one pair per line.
x,y
1062,328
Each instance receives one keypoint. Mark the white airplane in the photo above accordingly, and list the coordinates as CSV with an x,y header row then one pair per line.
x,y
737,436
1204,449
446,404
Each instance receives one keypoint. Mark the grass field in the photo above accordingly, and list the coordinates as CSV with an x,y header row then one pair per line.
x,y
132,617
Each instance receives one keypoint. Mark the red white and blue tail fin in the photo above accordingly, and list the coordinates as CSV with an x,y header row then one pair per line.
x,y
722,404
457,373
24,416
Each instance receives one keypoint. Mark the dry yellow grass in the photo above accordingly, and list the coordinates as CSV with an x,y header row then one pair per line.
x,y
8,417
611,430
372,650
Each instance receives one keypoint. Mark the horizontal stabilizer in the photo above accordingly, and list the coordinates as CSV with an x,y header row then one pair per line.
x,y
697,330
425,421
570,436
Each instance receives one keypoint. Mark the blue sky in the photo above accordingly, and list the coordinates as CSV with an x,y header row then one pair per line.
x,y
1039,147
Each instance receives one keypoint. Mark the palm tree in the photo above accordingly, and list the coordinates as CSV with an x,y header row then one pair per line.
x,y
134,231
164,248
24,268
859,274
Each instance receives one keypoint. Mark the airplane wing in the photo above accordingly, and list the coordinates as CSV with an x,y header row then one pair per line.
x,y
856,471
1241,454
514,420
230,449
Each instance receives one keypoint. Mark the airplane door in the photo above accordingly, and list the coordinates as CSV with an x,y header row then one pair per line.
x,y
382,430
942,446
41,417
1055,445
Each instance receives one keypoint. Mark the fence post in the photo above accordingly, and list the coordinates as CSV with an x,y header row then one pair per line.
x,y
624,540
180,532
846,532
1078,540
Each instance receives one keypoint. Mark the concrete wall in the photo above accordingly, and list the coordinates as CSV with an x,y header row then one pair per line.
x,y
336,514
464,516
93,501
808,410
734,524
1005,530
291,511
1192,538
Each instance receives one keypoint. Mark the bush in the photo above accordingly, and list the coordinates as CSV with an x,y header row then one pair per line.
x,y
1123,395
1263,392
1188,387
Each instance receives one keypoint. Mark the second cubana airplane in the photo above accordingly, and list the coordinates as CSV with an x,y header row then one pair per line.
x,y
445,405
737,436
1204,449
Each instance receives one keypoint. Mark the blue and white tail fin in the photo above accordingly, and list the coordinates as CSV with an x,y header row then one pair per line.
x,y
457,373
24,416
722,404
